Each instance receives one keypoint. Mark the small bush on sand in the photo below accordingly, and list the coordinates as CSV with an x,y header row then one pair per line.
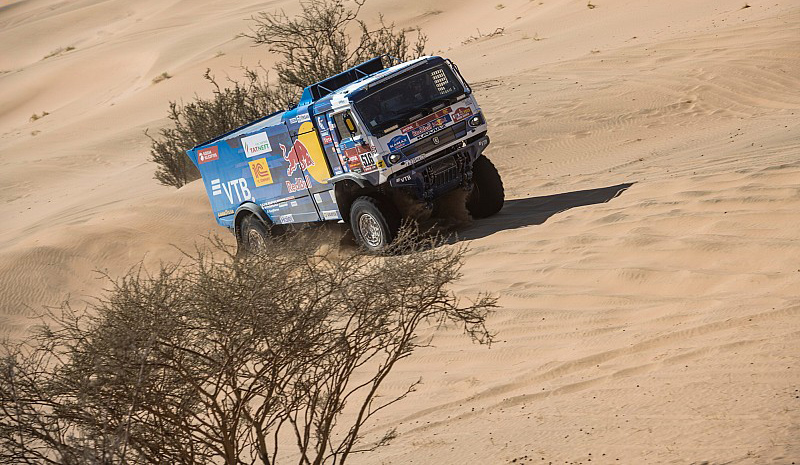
x,y
315,44
222,358
35,117
162,77
59,51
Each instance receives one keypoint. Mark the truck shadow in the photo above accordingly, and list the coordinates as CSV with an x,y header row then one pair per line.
x,y
517,213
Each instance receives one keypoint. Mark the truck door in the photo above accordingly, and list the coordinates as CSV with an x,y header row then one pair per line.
x,y
308,157
351,146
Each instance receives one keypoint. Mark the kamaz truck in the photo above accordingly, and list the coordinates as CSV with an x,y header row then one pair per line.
x,y
348,148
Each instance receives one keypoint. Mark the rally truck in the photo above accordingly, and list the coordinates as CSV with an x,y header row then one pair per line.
x,y
352,143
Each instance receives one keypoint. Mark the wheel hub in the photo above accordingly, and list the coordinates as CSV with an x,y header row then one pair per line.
x,y
255,241
370,230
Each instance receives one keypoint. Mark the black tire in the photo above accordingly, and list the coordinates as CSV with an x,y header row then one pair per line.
x,y
254,236
487,195
374,222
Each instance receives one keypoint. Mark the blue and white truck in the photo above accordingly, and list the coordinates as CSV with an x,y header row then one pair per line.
x,y
342,153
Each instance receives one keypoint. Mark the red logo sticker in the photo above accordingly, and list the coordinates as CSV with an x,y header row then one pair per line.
x,y
208,154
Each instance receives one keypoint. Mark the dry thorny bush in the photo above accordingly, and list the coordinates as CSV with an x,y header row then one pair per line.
x,y
315,44
240,359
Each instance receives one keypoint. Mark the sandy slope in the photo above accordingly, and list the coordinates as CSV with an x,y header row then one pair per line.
x,y
647,259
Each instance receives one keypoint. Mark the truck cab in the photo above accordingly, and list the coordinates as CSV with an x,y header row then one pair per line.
x,y
351,145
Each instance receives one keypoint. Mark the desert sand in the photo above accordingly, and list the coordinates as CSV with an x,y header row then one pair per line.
x,y
647,259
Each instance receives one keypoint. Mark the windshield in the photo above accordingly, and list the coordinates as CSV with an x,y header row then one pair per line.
x,y
409,98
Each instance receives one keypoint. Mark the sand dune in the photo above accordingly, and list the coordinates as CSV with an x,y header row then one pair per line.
x,y
647,259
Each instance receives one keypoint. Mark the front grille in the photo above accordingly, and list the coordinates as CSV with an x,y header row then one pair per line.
x,y
446,177
445,137
443,174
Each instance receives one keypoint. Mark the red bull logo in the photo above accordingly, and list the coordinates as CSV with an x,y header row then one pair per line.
x,y
298,156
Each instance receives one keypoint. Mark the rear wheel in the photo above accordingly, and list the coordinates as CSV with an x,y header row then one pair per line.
x,y
487,195
374,222
254,235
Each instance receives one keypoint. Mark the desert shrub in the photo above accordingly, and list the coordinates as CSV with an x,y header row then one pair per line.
x,y
162,77
35,117
58,52
318,42
315,45
205,118
224,358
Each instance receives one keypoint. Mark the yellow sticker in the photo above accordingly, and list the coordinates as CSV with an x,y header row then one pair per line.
x,y
309,138
261,174
380,164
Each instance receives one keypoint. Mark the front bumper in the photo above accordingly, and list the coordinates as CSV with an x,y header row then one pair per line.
x,y
443,173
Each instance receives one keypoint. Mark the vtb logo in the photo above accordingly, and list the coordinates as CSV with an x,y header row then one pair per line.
x,y
234,186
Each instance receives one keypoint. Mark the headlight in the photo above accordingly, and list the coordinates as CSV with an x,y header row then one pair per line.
x,y
394,158
476,120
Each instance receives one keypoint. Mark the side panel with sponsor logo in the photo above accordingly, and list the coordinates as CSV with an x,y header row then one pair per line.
x,y
257,167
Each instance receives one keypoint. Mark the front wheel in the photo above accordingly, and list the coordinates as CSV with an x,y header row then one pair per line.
x,y
374,222
253,236
487,195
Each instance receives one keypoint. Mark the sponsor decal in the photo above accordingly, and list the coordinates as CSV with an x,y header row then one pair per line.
x,y
462,114
298,157
430,127
234,186
413,160
261,173
298,184
398,142
423,121
301,118
354,157
337,171
435,140
224,213
318,167
381,164
207,154
404,179
330,214
255,145
327,139
284,219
